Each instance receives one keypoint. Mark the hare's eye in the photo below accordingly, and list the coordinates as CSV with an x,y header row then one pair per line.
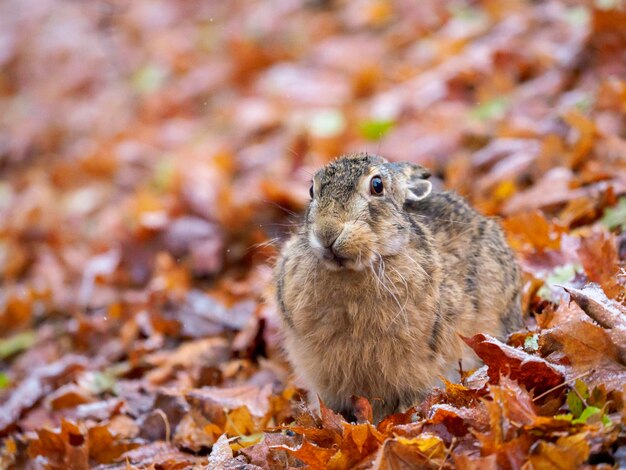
x,y
311,191
376,186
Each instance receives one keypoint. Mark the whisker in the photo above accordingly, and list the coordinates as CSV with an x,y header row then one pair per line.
x,y
282,208
381,280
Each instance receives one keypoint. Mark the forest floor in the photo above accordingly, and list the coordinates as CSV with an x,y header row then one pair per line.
x,y
155,153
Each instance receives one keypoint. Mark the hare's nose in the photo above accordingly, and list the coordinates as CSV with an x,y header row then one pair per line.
x,y
329,252
326,238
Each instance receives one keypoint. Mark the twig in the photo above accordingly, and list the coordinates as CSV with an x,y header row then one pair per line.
x,y
163,416
580,396
567,382
448,452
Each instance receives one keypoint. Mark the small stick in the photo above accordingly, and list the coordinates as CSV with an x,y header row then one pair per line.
x,y
567,382
580,396
163,416
448,452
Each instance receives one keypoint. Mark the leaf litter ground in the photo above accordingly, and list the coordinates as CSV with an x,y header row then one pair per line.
x,y
154,154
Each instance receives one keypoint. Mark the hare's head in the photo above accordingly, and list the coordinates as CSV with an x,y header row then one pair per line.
x,y
356,215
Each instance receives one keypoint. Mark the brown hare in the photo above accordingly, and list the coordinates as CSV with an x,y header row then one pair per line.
x,y
382,277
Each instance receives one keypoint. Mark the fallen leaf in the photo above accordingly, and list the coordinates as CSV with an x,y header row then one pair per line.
x,y
313,456
38,384
534,372
64,448
566,452
423,452
221,453
598,255
105,446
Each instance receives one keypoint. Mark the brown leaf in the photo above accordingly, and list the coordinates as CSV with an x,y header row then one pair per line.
x,y
69,396
162,455
189,355
598,255
221,453
534,372
331,420
554,188
588,348
458,421
189,435
266,454
475,462
606,312
424,451
105,446
39,383
254,398
567,452
396,419
514,424
63,448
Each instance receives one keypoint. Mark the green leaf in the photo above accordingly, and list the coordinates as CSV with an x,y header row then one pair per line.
x,y
581,388
606,4
164,173
491,109
577,16
566,417
327,123
586,414
4,380
615,216
574,403
251,439
375,129
17,343
148,78
559,276
100,382
585,103
531,343
606,420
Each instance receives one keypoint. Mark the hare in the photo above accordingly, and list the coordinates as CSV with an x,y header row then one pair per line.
x,y
381,279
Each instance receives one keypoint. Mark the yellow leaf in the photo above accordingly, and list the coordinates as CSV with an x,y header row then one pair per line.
x,y
428,444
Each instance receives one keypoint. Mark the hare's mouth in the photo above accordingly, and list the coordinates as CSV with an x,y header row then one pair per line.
x,y
335,261
334,256
338,263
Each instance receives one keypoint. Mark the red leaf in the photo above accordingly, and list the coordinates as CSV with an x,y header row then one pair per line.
x,y
534,372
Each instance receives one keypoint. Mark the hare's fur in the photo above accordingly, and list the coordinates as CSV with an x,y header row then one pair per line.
x,y
415,270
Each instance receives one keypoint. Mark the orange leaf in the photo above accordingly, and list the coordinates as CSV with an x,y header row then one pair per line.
x,y
598,255
363,409
586,131
315,457
567,452
530,231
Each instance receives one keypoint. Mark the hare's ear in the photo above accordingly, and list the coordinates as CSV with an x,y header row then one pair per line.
x,y
418,190
415,178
